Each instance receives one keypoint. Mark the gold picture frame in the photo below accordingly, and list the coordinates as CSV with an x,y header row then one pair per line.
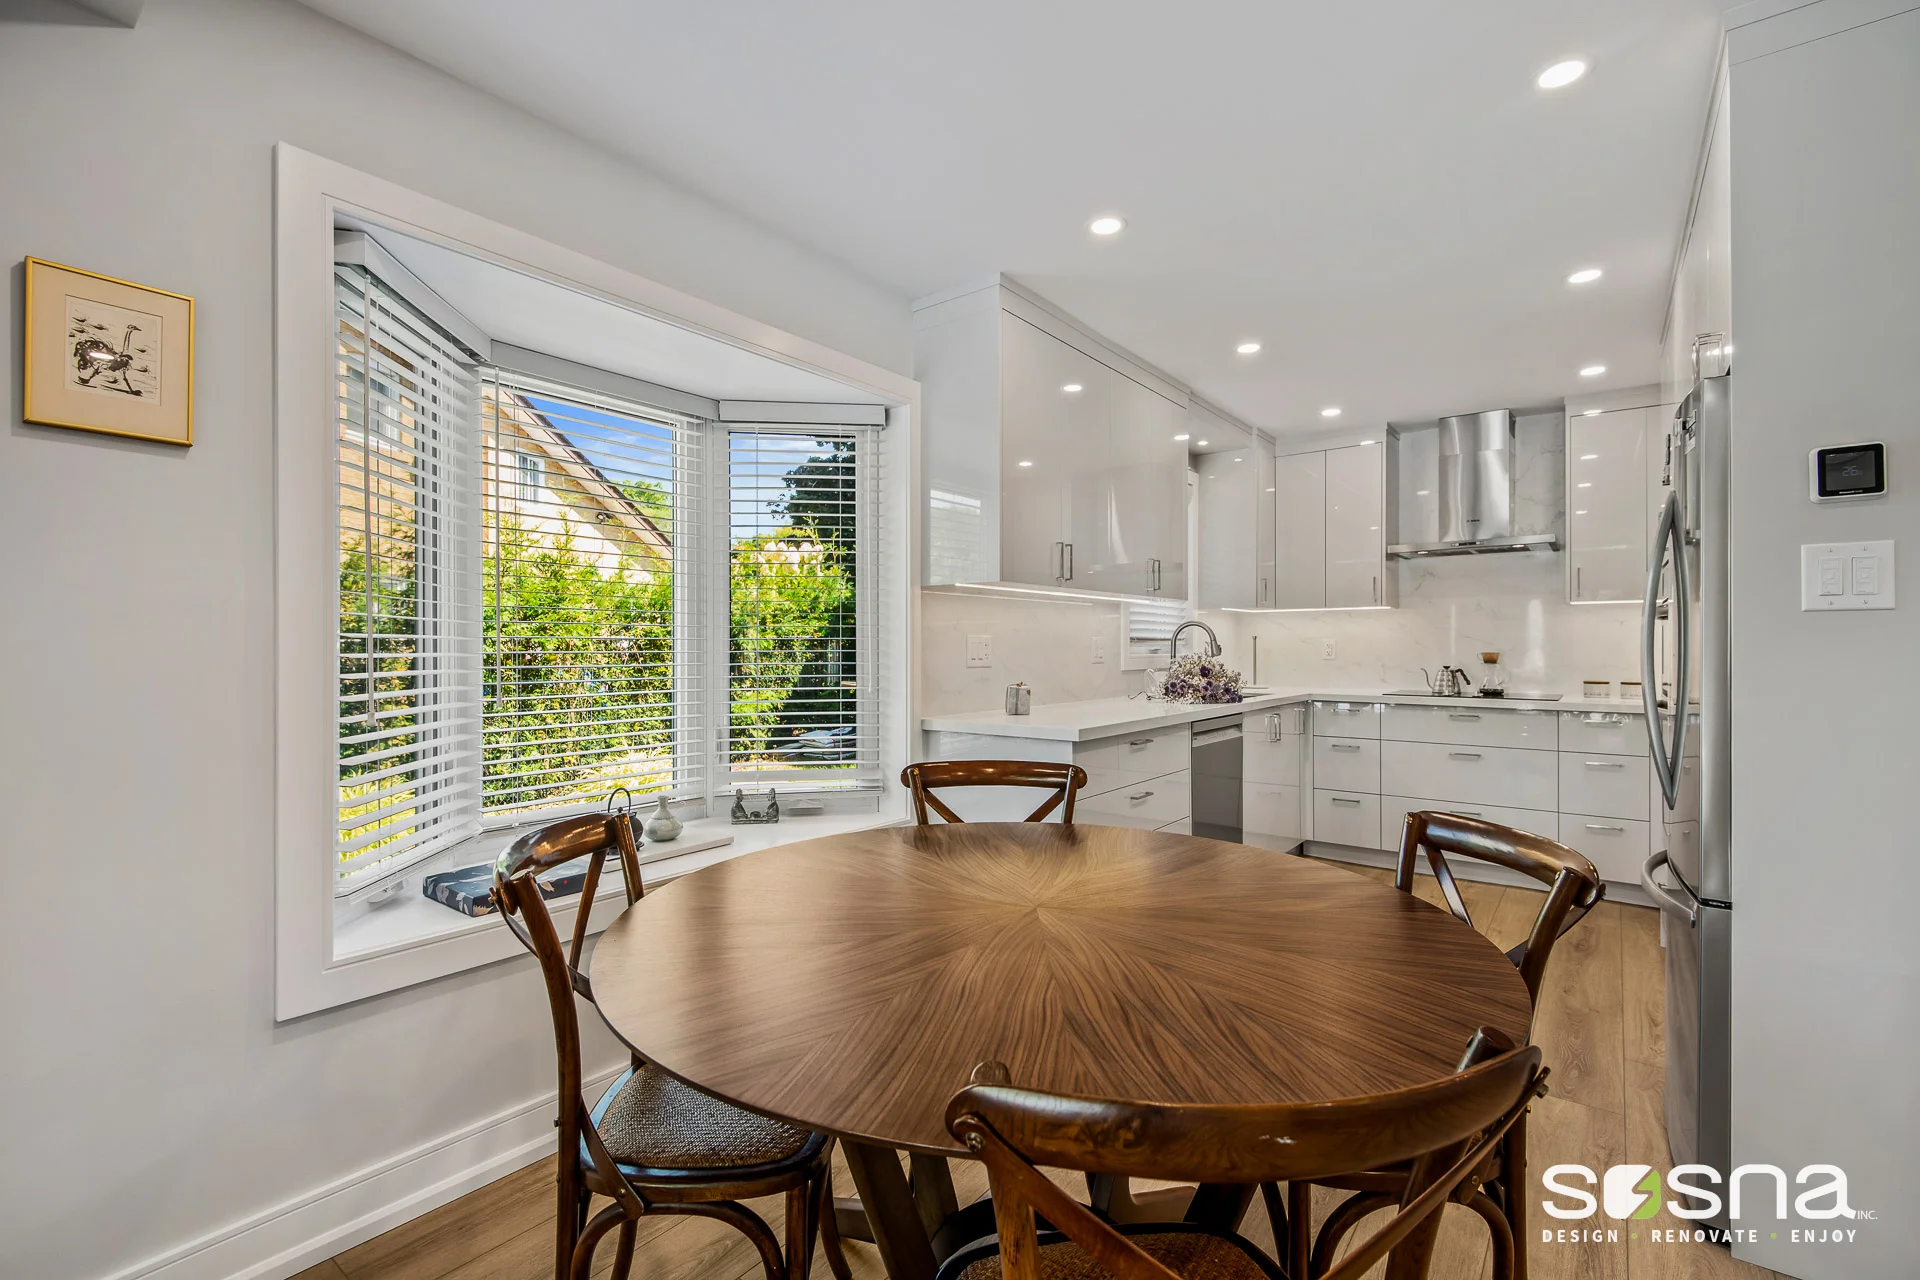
x,y
107,355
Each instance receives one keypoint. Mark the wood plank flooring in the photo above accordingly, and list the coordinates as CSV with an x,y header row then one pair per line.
x,y
1600,1023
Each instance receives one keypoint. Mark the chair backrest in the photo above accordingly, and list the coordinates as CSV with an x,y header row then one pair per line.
x,y
1573,883
1446,1128
1064,780
517,893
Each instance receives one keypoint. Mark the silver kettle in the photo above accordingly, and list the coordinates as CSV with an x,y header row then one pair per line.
x,y
1452,682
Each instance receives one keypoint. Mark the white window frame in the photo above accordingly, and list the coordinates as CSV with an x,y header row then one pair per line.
x,y
312,197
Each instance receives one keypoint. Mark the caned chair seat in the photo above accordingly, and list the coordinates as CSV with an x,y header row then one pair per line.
x,y
1193,1254
649,1120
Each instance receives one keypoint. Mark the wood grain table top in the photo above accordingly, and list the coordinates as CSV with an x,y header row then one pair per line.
x,y
852,983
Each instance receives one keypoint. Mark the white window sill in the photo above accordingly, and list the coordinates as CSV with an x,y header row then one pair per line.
x,y
413,939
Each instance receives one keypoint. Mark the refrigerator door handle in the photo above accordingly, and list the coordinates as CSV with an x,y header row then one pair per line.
x,y
1662,895
1666,764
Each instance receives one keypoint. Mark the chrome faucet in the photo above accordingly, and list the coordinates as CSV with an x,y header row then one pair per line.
x,y
1213,641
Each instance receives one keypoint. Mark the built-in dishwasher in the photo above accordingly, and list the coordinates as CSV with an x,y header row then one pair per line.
x,y
1217,768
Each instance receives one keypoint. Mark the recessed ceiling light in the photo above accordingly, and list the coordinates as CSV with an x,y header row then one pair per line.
x,y
1239,459
1107,224
1071,388
1025,463
1369,442
1593,371
1183,436
1584,484
1561,74
1579,513
1247,348
1201,443
1585,275
1588,457
1331,411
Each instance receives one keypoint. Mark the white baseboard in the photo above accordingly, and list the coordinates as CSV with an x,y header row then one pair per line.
x,y
315,1225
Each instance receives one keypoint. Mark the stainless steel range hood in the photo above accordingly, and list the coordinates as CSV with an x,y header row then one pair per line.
x,y
1476,491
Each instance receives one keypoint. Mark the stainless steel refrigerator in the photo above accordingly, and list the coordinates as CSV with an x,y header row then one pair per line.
x,y
1684,661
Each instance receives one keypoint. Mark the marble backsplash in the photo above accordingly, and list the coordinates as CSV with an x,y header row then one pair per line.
x,y
1046,642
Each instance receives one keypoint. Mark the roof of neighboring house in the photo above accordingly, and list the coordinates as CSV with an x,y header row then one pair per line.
x,y
590,487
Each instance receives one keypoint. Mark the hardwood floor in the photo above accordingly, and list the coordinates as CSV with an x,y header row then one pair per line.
x,y
1600,1024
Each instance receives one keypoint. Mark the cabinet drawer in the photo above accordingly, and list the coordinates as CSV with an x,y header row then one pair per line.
x,y
1617,733
1152,803
1340,817
1346,719
1346,764
1511,777
1613,785
1470,726
1618,846
1112,763
1184,827
1394,811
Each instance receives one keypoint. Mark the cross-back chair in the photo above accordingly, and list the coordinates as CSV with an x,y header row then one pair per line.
x,y
924,778
1442,1130
651,1144
1574,887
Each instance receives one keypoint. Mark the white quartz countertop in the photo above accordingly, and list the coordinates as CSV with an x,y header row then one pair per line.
x,y
1105,717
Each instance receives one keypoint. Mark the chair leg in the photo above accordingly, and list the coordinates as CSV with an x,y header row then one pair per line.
x,y
623,1257
830,1227
1345,1217
1300,1237
750,1225
568,1217
1513,1187
602,1222
1502,1233
1277,1220
800,1210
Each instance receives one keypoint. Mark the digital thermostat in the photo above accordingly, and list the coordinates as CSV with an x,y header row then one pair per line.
x,y
1845,472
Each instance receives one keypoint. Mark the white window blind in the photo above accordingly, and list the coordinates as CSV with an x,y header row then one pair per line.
x,y
592,635
804,552
1149,626
408,758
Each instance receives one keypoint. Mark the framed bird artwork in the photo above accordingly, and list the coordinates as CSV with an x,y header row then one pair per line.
x,y
107,355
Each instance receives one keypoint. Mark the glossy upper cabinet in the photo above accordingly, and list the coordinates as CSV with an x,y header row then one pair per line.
x,y
1356,536
1236,511
1607,516
1301,525
1043,463
1145,493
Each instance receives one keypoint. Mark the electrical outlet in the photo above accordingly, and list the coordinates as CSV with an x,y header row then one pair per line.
x,y
1326,650
1099,649
979,651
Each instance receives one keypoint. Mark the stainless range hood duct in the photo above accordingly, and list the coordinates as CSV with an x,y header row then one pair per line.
x,y
1476,491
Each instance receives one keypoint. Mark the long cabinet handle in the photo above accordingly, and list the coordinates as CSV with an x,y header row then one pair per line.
x,y
1344,800
1139,742
1466,813
1376,588
1458,715
1144,795
1069,547
1273,727
1464,755
1603,826
1343,746
1605,764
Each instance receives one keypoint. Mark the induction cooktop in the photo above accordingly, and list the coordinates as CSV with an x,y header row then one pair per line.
x,y
1516,696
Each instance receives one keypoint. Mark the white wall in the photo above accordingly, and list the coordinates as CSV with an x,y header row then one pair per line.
x,y
1826,296
1047,643
151,1099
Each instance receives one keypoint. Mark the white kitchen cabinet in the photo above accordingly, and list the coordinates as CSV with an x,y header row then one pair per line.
x,y
1049,457
1513,777
1346,719
1616,786
1301,531
1273,783
1607,533
1618,847
1236,512
1394,811
1345,817
1357,538
1470,725
1153,803
1346,764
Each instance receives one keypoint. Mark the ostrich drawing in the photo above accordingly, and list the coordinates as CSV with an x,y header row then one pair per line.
x,y
92,358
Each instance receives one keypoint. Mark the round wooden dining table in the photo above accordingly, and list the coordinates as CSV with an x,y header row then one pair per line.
x,y
851,984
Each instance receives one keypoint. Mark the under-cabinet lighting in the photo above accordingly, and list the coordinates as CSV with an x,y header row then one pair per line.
x,y
1590,413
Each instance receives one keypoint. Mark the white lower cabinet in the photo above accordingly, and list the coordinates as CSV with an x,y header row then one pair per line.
x,y
1184,827
1346,764
1612,785
1155,802
1394,811
1270,815
1513,777
1618,847
1131,759
1344,817
1272,778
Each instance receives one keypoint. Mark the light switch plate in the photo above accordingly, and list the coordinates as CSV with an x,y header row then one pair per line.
x,y
1327,650
979,651
1846,575
1099,649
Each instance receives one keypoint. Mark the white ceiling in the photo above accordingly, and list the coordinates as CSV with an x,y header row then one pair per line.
x,y
510,306
1378,192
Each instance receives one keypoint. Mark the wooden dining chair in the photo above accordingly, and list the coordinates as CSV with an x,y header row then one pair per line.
x,y
1573,888
1442,1130
924,778
652,1144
